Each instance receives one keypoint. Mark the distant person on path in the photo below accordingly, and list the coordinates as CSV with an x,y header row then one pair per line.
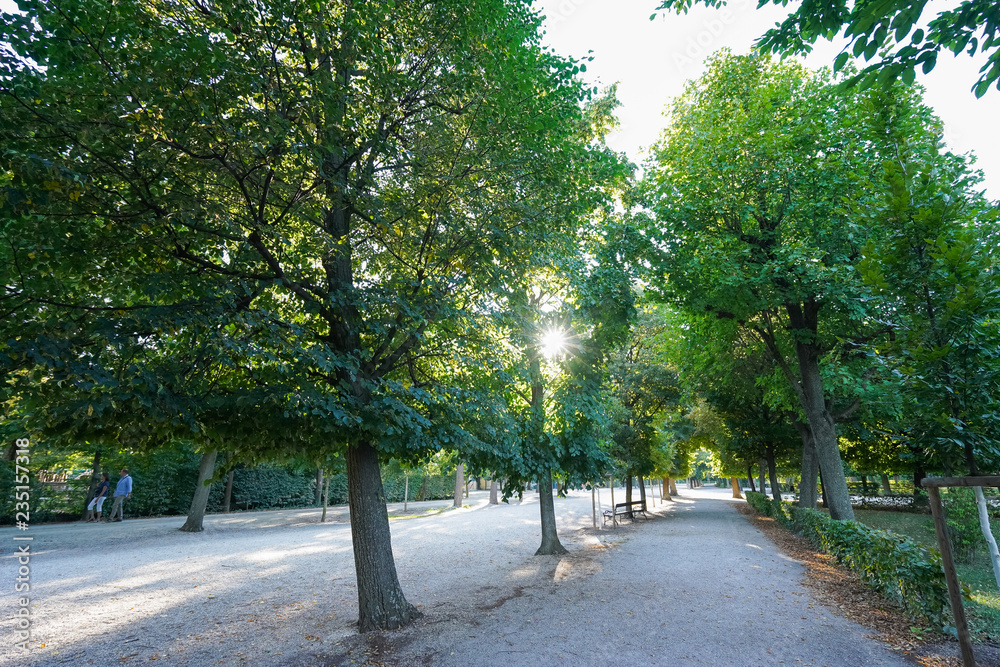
x,y
123,490
99,495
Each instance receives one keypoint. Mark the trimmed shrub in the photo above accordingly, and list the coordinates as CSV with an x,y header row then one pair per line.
x,y
901,570
768,507
265,486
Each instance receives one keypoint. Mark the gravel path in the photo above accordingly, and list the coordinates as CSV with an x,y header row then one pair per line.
x,y
694,585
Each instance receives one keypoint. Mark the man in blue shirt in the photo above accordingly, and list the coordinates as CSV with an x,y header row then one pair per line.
x,y
123,490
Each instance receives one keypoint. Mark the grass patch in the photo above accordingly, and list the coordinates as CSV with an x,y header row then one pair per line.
x,y
984,608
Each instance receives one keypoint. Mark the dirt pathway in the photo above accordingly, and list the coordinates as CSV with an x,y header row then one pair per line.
x,y
696,584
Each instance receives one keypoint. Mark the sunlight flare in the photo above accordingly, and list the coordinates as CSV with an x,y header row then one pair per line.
x,y
553,343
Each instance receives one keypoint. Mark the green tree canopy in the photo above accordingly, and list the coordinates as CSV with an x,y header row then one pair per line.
x,y
891,32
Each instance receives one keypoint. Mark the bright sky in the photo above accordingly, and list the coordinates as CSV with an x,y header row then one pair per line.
x,y
653,59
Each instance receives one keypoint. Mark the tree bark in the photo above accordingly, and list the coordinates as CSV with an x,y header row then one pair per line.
x,y
810,468
864,484
319,486
493,492
551,546
202,490
761,472
95,479
736,487
381,603
886,487
822,488
665,489
459,484
642,491
673,486
628,496
918,476
984,525
406,492
326,498
228,497
821,422
772,470
753,487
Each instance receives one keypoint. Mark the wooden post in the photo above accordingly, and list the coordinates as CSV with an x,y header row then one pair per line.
x,y
326,498
951,577
227,498
406,491
614,519
593,503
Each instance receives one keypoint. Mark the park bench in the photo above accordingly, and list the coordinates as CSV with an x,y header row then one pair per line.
x,y
625,509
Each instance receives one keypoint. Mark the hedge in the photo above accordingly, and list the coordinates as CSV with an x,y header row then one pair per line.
x,y
901,570
164,481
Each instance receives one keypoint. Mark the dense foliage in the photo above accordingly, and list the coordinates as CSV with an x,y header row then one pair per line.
x,y
896,34
896,567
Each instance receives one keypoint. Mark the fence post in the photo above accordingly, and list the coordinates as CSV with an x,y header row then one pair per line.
x,y
950,576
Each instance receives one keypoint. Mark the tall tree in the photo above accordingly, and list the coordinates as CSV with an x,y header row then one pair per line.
x,y
747,185
352,178
936,279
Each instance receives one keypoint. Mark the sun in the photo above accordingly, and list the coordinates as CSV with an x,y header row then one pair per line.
x,y
553,343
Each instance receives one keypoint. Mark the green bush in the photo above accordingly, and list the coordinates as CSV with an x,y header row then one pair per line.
x,y
164,482
263,487
768,507
893,565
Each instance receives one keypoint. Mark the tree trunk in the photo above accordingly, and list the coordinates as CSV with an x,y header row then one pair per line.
x,y
493,492
628,496
736,487
459,484
202,490
984,525
326,498
918,476
665,489
673,487
95,479
822,488
753,487
761,472
422,493
228,497
642,491
381,603
551,545
821,423
886,487
810,468
772,471
319,486
864,485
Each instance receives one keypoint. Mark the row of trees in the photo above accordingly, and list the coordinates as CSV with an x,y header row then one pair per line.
x,y
836,273
347,233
